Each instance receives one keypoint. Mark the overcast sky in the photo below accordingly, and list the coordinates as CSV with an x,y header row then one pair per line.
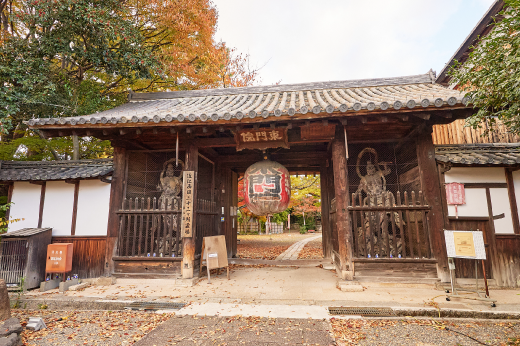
x,y
310,41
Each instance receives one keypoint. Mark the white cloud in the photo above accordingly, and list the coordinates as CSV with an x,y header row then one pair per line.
x,y
307,41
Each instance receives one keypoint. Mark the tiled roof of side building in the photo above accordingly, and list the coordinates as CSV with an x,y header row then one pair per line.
x,y
499,154
273,101
54,170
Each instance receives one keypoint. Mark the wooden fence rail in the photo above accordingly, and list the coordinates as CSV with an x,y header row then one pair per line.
x,y
150,227
387,226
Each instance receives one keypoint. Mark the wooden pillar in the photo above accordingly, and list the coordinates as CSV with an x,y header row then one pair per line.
x,y
512,200
74,208
430,183
234,219
225,212
42,203
326,231
188,244
344,225
10,189
116,200
218,199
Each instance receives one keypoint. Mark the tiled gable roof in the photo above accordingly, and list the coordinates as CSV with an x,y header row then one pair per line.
x,y
54,170
501,154
381,94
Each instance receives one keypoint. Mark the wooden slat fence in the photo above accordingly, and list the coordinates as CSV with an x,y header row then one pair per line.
x,y
206,221
150,227
385,227
13,260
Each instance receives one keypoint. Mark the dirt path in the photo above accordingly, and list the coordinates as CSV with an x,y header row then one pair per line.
x,y
267,246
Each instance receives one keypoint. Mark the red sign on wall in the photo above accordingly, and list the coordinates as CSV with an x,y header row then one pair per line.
x,y
455,194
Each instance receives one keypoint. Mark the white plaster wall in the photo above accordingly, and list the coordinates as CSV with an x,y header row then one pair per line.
x,y
475,175
57,210
476,201
26,205
476,204
500,204
93,205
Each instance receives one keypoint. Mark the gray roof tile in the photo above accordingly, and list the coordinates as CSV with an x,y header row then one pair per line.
x,y
54,170
272,101
502,154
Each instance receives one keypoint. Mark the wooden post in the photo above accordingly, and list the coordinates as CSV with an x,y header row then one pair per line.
x,y
9,199
42,203
116,200
75,147
74,208
344,226
430,183
496,266
512,200
326,231
234,218
188,244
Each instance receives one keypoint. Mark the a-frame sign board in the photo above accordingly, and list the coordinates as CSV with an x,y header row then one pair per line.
x,y
214,254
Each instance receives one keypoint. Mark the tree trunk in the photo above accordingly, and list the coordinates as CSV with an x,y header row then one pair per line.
x,y
5,307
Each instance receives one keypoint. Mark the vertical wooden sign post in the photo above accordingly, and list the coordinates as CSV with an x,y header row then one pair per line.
x,y
187,221
187,204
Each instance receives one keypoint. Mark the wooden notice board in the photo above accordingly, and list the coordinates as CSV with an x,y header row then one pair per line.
x,y
188,178
465,244
214,253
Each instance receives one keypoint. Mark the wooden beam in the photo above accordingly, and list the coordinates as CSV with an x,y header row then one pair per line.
x,y
75,209
512,200
422,116
485,185
42,203
415,132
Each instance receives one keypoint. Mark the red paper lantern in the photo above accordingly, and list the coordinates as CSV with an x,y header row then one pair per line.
x,y
267,188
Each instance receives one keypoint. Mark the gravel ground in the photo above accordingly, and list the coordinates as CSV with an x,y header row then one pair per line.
x,y
425,332
312,250
266,246
89,327
195,330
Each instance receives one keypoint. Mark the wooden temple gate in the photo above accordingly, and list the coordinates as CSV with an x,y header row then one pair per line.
x,y
370,141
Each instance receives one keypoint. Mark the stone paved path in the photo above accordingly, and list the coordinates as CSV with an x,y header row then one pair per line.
x,y
292,252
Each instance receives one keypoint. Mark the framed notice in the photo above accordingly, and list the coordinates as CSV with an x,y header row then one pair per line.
x,y
465,244
188,179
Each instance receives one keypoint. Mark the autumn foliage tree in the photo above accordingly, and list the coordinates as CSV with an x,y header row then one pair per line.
x,y
305,196
75,57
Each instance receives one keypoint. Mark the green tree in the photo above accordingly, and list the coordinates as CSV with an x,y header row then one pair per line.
x,y
491,74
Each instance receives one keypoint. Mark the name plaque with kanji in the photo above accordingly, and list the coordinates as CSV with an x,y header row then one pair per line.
x,y
188,179
262,139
